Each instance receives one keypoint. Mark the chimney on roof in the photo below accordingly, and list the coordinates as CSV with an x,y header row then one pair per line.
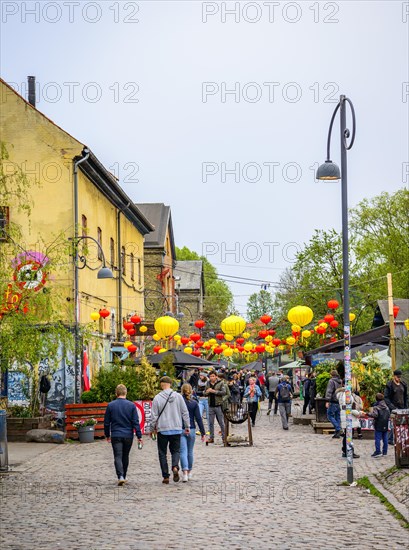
x,y
32,90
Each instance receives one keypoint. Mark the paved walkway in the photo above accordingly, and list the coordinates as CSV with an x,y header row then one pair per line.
x,y
282,494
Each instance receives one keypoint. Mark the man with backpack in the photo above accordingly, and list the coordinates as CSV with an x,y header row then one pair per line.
x,y
284,396
272,382
332,404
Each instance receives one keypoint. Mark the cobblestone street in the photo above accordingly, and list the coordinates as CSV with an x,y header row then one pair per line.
x,y
282,493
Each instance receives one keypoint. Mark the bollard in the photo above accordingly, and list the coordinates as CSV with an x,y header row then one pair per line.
x,y
4,457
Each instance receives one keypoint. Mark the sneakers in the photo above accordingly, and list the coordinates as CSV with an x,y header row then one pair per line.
x,y
165,480
285,428
210,440
336,435
376,455
185,477
190,475
121,481
268,412
175,471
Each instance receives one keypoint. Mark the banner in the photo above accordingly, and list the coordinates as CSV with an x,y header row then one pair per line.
x,y
144,409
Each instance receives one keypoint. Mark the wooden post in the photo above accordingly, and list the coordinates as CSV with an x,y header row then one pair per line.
x,y
391,322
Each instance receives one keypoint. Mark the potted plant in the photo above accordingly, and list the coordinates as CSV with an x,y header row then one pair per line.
x,y
86,429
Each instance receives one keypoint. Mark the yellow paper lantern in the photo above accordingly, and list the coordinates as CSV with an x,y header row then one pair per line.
x,y
306,333
300,315
127,344
290,341
177,337
352,317
228,337
143,329
281,347
324,325
95,315
162,350
188,350
268,338
406,323
269,349
233,325
213,342
296,328
228,352
166,326
246,335
224,346
248,346
156,337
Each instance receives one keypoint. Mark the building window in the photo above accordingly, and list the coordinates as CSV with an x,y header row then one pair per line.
x,y
123,258
4,221
139,273
99,239
132,268
84,226
112,251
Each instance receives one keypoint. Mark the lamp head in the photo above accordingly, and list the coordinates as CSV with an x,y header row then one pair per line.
x,y
105,273
328,171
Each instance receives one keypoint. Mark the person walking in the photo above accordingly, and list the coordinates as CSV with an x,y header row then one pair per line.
x,y
381,414
396,396
332,404
306,388
253,394
284,396
168,415
215,391
120,423
187,440
203,401
312,391
272,383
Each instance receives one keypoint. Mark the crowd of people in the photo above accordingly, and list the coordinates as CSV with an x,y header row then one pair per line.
x,y
178,416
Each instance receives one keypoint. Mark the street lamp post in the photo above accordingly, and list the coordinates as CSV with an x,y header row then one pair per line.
x,y
330,171
80,262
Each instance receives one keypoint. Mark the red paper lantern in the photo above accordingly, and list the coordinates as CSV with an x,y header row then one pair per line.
x,y
271,332
265,319
276,341
131,331
295,334
199,323
220,336
136,319
334,323
127,325
333,339
199,343
132,348
104,313
240,348
395,311
332,304
260,349
321,330
156,349
184,340
262,333
218,350
195,337
240,341
196,353
320,321
328,318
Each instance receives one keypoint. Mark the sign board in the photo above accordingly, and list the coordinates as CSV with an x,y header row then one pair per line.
x,y
144,409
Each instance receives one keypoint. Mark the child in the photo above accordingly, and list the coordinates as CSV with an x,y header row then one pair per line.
x,y
380,414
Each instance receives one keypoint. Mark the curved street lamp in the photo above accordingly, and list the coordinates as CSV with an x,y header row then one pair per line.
x,y
330,171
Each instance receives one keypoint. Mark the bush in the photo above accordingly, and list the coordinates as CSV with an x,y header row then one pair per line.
x,y
322,382
90,396
19,411
109,377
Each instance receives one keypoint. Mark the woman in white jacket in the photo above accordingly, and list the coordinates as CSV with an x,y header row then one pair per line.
x,y
356,409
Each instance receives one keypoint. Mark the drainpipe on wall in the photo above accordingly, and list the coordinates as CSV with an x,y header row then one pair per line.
x,y
77,357
118,229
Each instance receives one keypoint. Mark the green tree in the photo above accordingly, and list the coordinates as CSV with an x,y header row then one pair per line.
x,y
218,301
258,304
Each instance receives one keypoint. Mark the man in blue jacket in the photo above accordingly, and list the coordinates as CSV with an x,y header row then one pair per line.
x,y
120,423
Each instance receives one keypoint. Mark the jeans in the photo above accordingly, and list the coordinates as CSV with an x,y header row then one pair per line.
x,y
334,415
381,436
174,448
187,443
306,403
272,397
204,405
285,410
121,447
218,413
253,410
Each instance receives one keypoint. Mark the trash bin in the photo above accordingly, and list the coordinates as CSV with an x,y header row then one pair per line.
x,y
4,458
400,419
321,409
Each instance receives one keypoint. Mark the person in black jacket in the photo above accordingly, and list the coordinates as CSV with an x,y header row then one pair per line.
x,y
333,408
381,415
396,395
187,441
120,422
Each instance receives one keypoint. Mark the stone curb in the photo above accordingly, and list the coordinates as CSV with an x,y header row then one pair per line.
x,y
401,508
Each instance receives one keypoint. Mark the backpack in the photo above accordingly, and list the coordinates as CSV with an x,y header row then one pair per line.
x,y
45,384
381,423
285,393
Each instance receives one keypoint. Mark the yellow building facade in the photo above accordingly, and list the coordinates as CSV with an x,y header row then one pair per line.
x,y
74,196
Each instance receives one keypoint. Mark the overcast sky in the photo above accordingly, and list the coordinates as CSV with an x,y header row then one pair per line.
x,y
221,110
